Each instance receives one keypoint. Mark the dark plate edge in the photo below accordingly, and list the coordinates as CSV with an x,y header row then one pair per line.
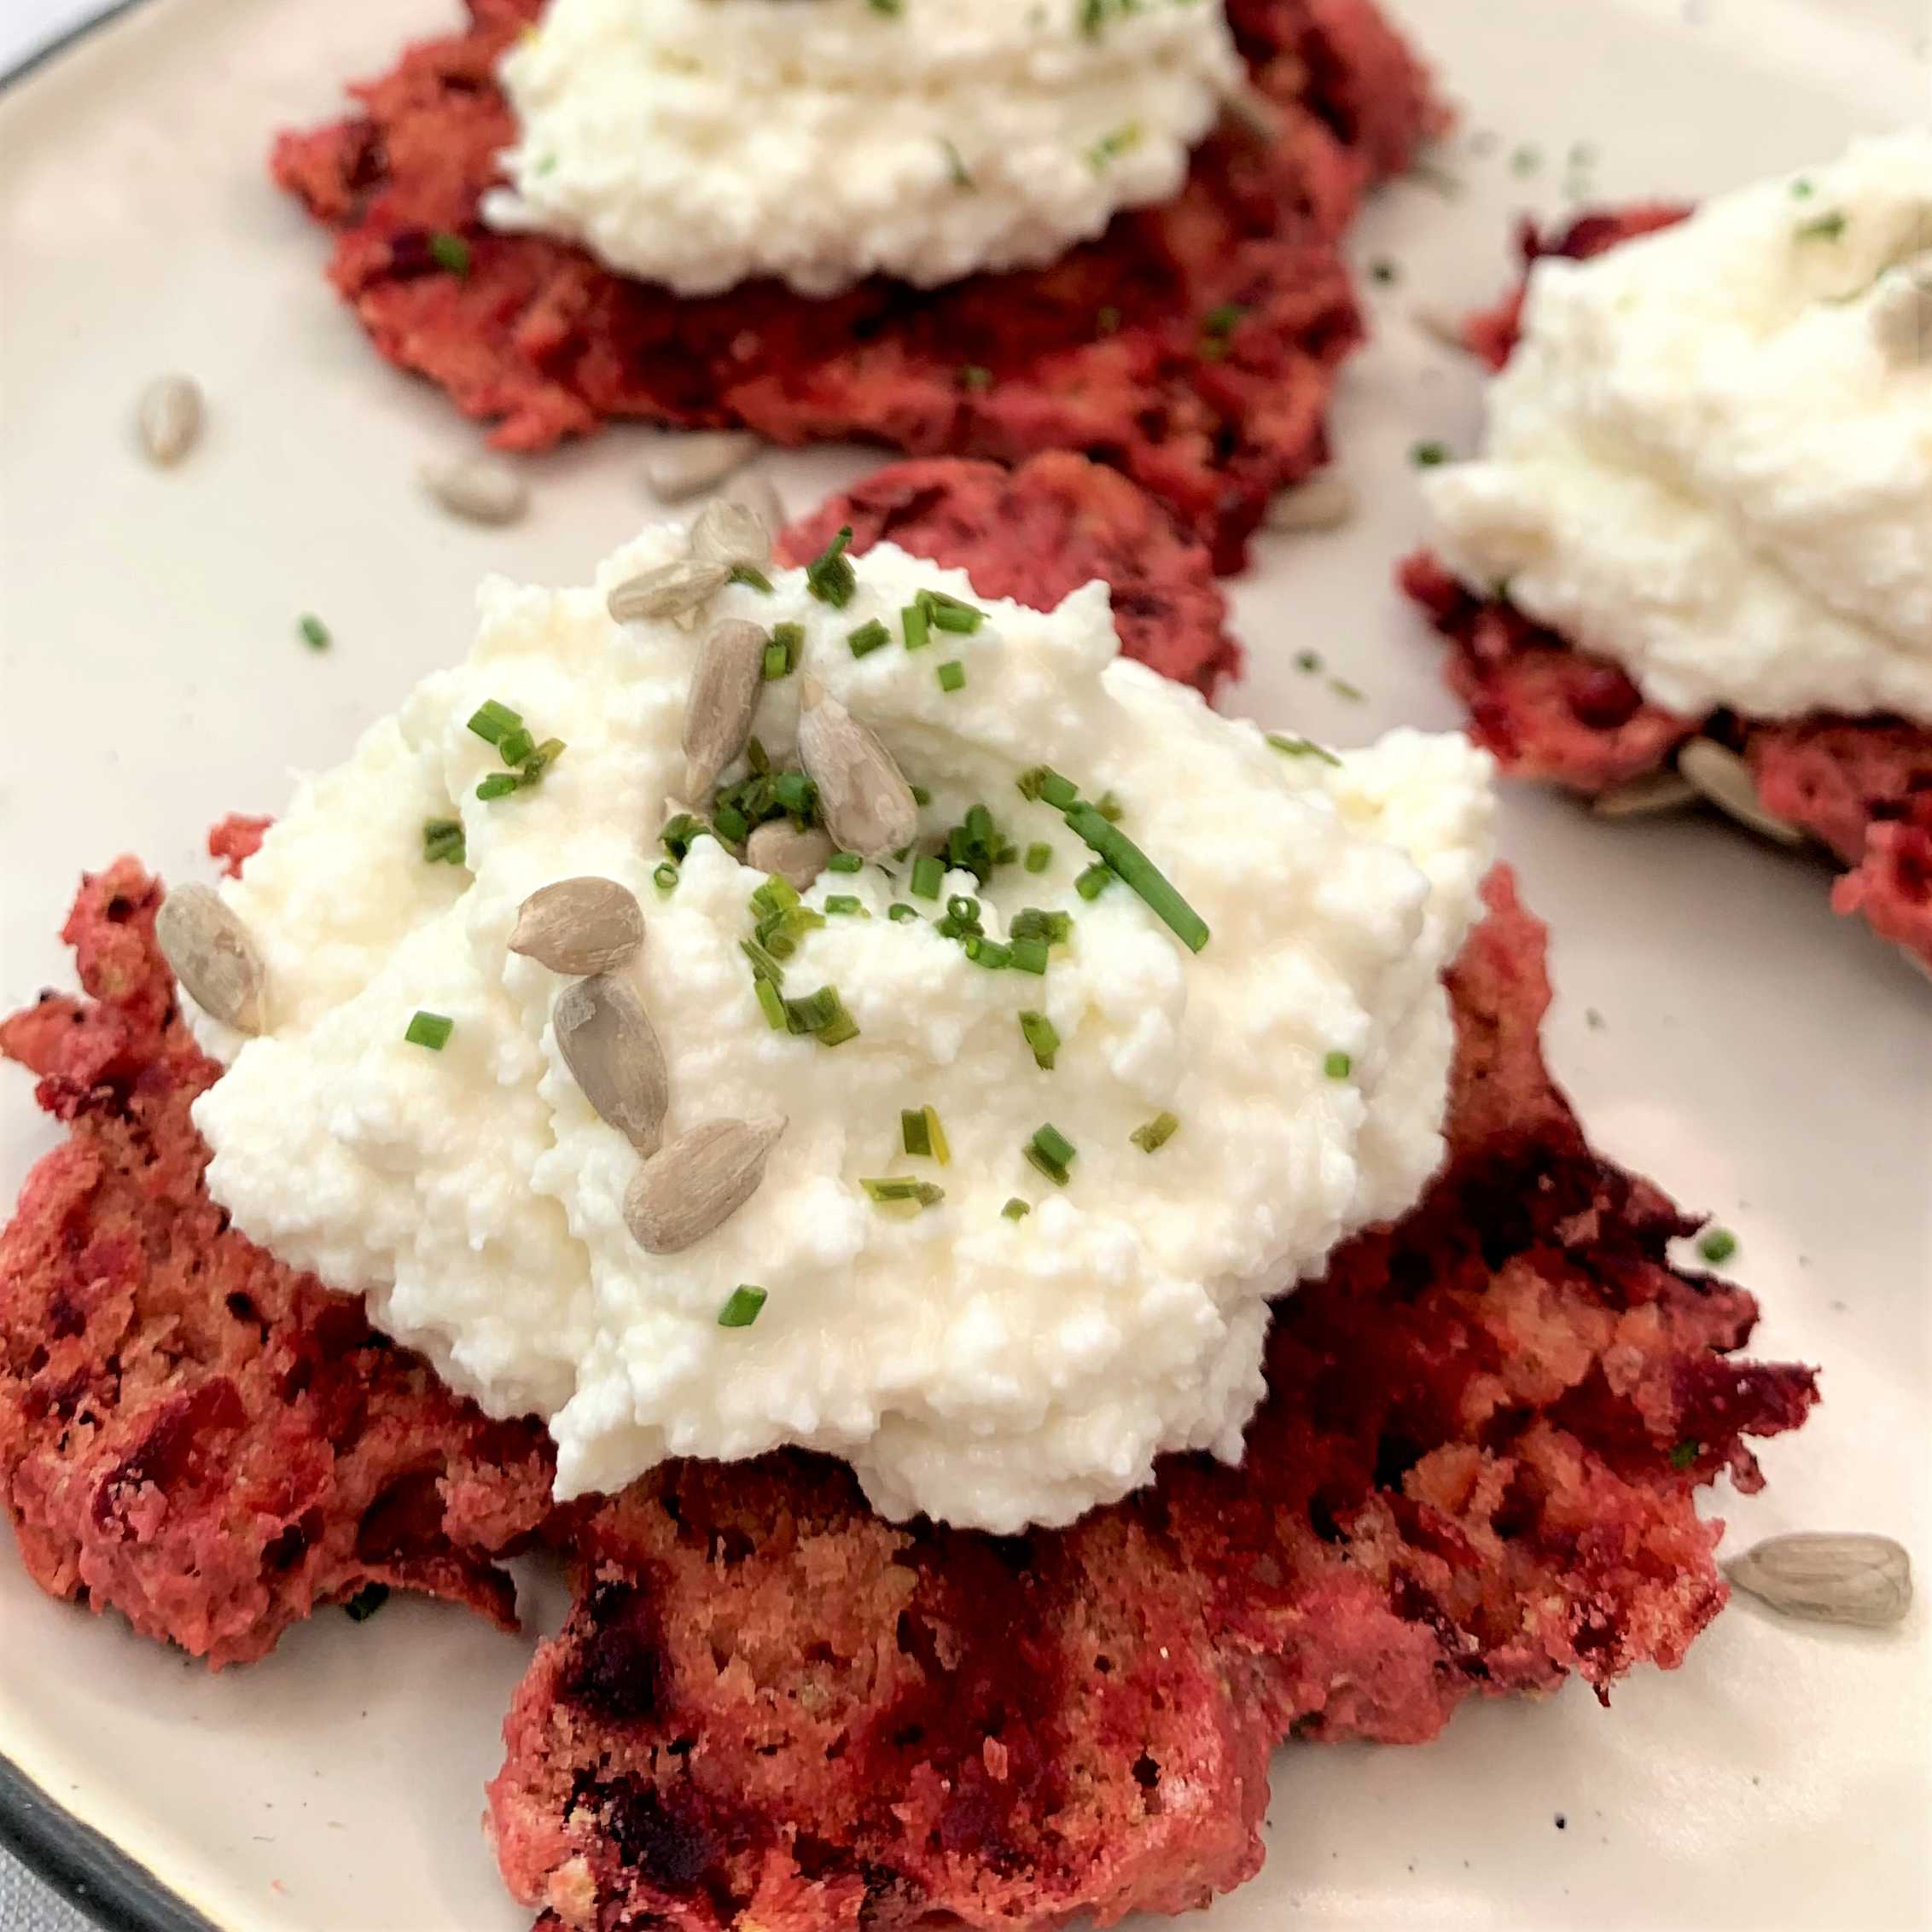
x,y
91,1872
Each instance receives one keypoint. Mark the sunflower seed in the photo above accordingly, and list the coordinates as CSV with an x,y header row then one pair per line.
x,y
1725,779
864,801
756,493
606,1039
671,590
798,857
697,1182
1441,325
724,692
1325,502
687,466
579,926
730,532
477,489
1655,792
1833,1578
1901,318
169,418
213,957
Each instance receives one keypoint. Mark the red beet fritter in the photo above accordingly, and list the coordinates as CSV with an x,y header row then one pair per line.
x,y
1473,1472
190,1432
1193,344
1036,534
1549,708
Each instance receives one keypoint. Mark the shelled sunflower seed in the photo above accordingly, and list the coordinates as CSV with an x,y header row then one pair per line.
x,y
695,1185
1901,316
668,590
726,683
579,926
731,533
1724,778
798,857
213,957
756,493
606,1040
169,418
863,799
477,489
1441,325
1640,798
1324,502
687,466
1827,1577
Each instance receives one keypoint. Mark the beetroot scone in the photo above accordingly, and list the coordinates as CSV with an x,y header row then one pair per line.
x,y
1696,560
1192,343
191,1433
1473,1473
1036,534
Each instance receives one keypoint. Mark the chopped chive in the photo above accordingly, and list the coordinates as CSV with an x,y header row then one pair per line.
x,y
517,744
1429,456
942,1148
1301,747
951,676
917,624
450,252
956,166
432,1030
920,795
747,1299
770,1000
1684,1455
902,1190
776,664
1049,1151
869,638
845,862
1351,694
680,833
899,912
1385,272
1155,1134
1041,1035
442,841
1717,1245
949,613
1055,928
782,653
1092,882
1338,1066
1026,955
913,1134
763,966
666,877
491,720
822,1014
1017,1209
1142,874
1802,189
756,756
1307,660
1107,320
1039,858
829,576
989,953
1110,808
366,1601
974,377
754,579
844,905
732,824
1826,228
928,875
499,784
315,632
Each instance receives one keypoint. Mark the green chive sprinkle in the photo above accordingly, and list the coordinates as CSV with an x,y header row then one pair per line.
x,y
928,875
917,625
1112,845
1826,228
492,721
754,579
1026,955
1042,1037
1107,320
782,653
666,877
770,1000
1017,1209
974,377
1293,747
1055,928
829,576
516,744
1338,1066
951,676
499,784
955,164
747,1299
1155,1134
315,632
901,1191
450,252
1307,660
1351,694
843,904
680,833
1061,794
1429,456
432,1030
949,614
822,1014
869,638
1717,1245
1039,858
366,1601
1092,882
1802,189
899,912
988,954
442,841
1684,1455
920,795
845,862
921,1134
1050,1152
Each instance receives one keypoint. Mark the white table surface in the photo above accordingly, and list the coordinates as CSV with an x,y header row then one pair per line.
x,y
28,26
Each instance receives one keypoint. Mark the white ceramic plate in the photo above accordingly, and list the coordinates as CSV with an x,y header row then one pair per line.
x,y
1762,1058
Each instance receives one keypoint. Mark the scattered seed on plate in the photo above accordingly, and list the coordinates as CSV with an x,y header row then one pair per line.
x,y
477,489
1325,502
579,926
169,419
213,957
687,466
1724,778
730,532
1827,1577
1440,325
756,493
1638,798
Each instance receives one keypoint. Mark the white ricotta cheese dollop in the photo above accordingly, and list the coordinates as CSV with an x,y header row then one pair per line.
x,y
992,1370
1710,457
700,143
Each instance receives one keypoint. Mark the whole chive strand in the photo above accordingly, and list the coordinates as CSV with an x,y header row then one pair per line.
x,y
1141,874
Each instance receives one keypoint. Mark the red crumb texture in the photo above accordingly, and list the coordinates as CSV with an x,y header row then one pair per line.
x,y
236,841
1129,349
190,1433
1550,709
1474,1475
1036,534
